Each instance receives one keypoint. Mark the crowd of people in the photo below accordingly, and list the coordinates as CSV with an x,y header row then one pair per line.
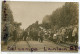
x,y
64,34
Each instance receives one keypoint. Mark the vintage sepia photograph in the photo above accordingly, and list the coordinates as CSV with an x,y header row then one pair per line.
x,y
39,26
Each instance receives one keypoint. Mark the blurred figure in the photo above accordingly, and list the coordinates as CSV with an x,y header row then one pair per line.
x,y
25,34
75,35
41,34
15,35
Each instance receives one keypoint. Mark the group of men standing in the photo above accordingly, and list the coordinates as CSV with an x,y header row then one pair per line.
x,y
40,35
35,35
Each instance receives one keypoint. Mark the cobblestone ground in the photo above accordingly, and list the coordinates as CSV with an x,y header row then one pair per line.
x,y
35,46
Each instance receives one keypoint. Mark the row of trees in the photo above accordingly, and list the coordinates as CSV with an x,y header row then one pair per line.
x,y
64,16
8,25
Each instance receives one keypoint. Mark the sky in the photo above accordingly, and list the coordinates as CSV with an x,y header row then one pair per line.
x,y
28,13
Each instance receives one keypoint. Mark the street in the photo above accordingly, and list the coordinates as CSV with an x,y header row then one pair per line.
x,y
35,46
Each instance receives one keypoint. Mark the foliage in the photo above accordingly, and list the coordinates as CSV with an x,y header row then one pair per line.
x,y
64,16
8,21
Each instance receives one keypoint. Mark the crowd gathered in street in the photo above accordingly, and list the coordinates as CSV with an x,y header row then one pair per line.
x,y
64,34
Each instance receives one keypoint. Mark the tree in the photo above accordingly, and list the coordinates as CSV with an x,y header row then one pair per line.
x,y
7,25
7,20
64,16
